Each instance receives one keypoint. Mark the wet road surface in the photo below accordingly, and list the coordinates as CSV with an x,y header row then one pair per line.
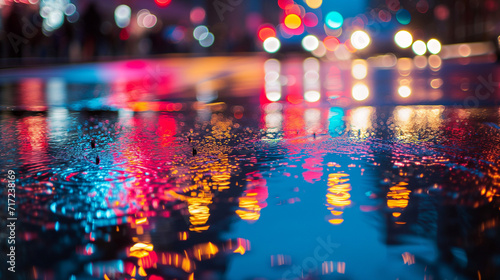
x,y
121,178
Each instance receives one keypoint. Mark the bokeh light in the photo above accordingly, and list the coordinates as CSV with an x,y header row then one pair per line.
x,y
359,69
312,96
272,45
266,32
200,32
122,16
434,46
293,21
404,91
360,92
310,43
403,39
208,40
403,16
441,12
314,4
334,20
360,39
331,43
163,3
419,47
197,15
310,20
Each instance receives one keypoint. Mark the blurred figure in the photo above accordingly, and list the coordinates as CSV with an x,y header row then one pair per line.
x,y
91,21
13,32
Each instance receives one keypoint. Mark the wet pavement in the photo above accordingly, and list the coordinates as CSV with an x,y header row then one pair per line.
x,y
170,170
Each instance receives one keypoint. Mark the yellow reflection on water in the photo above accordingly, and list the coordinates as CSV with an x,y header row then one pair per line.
x,y
338,196
253,199
417,123
398,198
361,121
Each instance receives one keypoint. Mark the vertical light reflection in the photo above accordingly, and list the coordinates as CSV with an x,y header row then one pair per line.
x,y
312,87
31,95
334,83
312,118
409,120
272,70
273,118
336,125
254,198
33,140
361,121
359,69
206,91
338,196
398,198
56,92
405,67
58,119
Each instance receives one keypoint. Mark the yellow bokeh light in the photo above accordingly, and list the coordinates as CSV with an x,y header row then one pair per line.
x,y
314,4
293,21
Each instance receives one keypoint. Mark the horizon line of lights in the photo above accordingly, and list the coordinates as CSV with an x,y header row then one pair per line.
x,y
294,18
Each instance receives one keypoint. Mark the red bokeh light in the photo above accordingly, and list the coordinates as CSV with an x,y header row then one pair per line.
x,y
284,3
163,3
266,32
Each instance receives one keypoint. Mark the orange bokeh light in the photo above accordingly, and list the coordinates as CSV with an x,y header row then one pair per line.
x,y
331,43
266,32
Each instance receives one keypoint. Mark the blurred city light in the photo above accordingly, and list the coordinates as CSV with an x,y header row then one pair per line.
x,y
207,40
312,96
197,15
122,16
334,20
404,91
310,43
314,4
434,46
419,47
200,32
272,45
360,92
163,3
266,32
403,16
359,69
331,43
360,39
293,21
403,39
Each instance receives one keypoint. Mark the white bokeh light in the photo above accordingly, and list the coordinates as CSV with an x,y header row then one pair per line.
x,y
272,44
310,43
403,39
360,39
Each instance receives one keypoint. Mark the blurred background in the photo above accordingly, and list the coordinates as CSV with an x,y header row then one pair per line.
x,y
35,31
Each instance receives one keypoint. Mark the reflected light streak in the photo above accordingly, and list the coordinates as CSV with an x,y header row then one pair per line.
x,y
361,121
312,85
398,198
253,199
359,69
338,196
272,69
